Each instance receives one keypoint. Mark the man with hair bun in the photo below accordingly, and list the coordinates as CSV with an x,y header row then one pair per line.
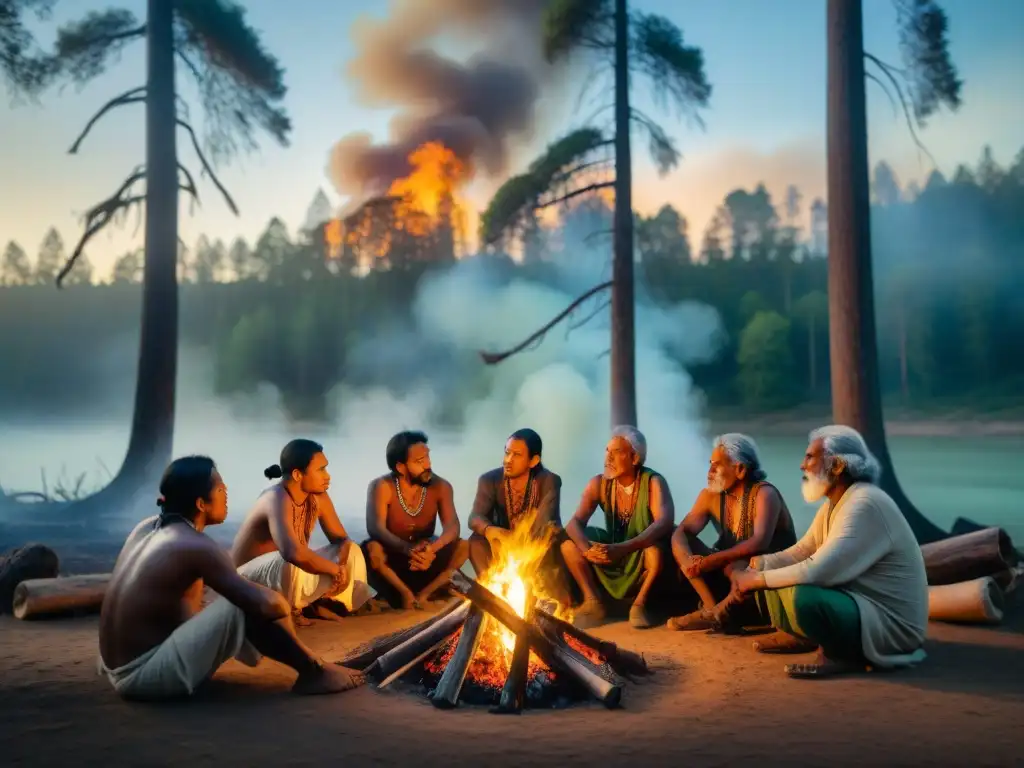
x,y
854,587
751,518
625,558
272,545
156,640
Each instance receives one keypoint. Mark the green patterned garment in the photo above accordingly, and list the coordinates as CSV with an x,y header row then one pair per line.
x,y
620,577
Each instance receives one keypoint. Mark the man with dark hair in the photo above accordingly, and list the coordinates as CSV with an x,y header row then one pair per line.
x,y
520,492
155,642
402,510
751,518
272,545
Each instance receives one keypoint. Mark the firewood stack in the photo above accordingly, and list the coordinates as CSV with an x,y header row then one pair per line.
x,y
389,658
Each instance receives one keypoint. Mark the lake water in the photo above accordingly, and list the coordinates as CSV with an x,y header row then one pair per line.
x,y
947,477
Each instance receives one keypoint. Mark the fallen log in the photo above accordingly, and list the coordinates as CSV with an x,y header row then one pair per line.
x,y
62,595
32,561
513,693
968,556
624,662
398,656
363,656
554,653
979,601
446,694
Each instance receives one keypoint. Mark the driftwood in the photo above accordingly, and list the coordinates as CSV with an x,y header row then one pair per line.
x,y
364,655
552,651
513,693
968,556
387,663
65,594
446,694
979,601
32,561
622,661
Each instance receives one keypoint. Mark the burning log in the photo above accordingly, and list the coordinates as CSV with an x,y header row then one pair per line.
x,y
552,651
61,595
412,664
400,655
513,693
364,655
969,556
622,661
446,694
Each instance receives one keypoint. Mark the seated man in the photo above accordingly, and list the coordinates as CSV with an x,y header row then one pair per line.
x,y
854,586
625,556
523,491
751,519
155,642
402,510
272,546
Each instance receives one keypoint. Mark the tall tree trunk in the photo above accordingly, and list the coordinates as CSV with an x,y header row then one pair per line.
x,y
150,444
856,399
623,312
812,342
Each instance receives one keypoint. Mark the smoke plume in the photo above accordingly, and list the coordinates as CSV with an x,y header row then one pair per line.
x,y
477,107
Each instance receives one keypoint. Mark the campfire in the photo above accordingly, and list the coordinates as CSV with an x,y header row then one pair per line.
x,y
501,643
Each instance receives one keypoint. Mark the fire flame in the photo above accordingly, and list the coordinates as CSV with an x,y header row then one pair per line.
x,y
418,204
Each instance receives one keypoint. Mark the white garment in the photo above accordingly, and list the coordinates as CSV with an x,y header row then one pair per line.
x,y
192,653
301,588
865,548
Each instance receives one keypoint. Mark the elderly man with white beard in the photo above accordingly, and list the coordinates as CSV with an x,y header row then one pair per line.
x,y
854,586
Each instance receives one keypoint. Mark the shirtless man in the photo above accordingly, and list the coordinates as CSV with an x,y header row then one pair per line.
x,y
402,510
625,557
272,546
751,518
155,642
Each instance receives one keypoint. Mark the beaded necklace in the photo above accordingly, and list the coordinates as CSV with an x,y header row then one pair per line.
x,y
405,507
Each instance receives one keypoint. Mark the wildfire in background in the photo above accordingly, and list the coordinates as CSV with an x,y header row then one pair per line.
x,y
426,201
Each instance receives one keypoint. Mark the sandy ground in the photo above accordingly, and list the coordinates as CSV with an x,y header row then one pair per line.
x,y
712,701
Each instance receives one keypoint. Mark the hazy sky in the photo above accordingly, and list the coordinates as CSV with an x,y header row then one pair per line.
x,y
765,59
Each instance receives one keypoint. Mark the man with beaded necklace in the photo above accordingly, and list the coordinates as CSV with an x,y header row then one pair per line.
x,y
521,492
402,510
624,558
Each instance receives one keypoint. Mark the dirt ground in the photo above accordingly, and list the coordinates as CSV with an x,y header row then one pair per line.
x,y
712,701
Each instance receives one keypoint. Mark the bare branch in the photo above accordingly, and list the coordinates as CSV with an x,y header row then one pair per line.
x,y
595,235
493,358
890,74
886,91
133,96
100,216
207,169
189,64
189,185
575,193
580,323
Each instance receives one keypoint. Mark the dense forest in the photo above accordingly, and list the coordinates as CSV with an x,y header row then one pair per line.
x,y
949,266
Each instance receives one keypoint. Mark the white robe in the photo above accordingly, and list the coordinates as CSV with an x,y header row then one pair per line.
x,y
865,548
301,588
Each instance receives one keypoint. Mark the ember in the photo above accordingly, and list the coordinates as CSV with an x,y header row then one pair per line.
x,y
504,646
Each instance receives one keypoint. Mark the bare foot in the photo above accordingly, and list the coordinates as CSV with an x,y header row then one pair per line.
x,y
822,667
589,614
299,620
325,613
783,642
408,601
328,678
699,620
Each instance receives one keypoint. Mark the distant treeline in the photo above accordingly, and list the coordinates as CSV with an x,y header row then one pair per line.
x,y
949,271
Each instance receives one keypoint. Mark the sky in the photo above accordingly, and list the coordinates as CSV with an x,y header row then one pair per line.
x,y
765,123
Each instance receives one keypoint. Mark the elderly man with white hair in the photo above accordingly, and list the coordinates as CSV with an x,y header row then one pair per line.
x,y
624,558
854,586
751,518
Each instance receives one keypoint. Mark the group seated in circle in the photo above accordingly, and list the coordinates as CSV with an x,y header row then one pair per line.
x,y
852,590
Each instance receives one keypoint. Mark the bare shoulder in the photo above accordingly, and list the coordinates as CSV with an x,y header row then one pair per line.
x,y
767,494
268,501
442,486
381,488
552,479
658,481
593,487
706,499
